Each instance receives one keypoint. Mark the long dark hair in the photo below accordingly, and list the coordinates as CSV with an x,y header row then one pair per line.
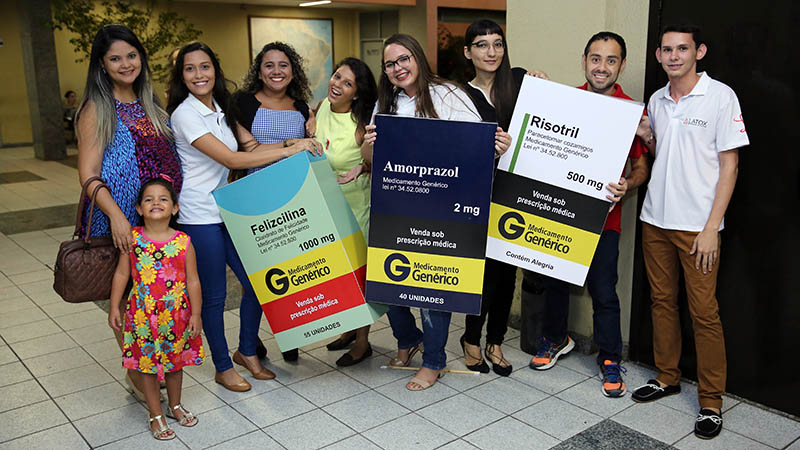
x,y
298,88
387,92
504,91
366,90
177,86
100,88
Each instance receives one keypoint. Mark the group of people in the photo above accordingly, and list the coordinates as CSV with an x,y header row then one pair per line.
x,y
161,166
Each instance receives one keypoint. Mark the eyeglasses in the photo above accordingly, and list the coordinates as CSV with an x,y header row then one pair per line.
x,y
483,46
402,61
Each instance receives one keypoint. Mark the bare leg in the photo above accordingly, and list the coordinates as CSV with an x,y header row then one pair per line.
x,y
402,355
174,383
176,408
135,375
151,393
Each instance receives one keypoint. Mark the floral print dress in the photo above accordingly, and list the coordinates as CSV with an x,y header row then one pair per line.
x,y
156,340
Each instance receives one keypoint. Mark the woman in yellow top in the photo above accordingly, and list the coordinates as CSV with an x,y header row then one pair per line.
x,y
341,121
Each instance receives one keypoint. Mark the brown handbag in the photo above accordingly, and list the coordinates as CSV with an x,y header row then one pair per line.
x,y
85,265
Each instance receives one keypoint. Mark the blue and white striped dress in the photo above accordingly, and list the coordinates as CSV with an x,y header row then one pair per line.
x,y
271,126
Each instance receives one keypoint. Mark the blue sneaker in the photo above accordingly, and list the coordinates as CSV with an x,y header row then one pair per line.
x,y
549,352
611,374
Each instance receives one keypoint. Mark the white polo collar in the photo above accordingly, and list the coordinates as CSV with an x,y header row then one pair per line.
x,y
699,89
201,107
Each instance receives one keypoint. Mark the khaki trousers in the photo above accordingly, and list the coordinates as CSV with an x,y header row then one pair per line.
x,y
665,251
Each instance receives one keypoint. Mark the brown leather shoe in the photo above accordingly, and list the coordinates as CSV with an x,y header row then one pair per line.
x,y
262,374
244,386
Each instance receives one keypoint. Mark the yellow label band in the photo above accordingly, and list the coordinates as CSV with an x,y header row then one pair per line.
x,y
356,249
543,235
447,273
308,269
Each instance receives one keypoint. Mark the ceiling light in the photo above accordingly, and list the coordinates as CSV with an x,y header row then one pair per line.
x,y
322,2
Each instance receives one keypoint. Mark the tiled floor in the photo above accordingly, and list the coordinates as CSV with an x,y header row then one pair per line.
x,y
61,382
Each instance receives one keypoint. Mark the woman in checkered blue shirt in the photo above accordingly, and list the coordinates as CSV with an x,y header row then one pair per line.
x,y
272,105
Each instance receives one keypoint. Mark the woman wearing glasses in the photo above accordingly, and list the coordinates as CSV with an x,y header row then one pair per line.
x,y
408,87
493,88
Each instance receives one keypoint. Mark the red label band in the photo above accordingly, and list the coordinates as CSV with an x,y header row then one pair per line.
x,y
316,302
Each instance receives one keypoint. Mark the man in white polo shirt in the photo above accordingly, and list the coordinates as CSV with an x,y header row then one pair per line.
x,y
697,131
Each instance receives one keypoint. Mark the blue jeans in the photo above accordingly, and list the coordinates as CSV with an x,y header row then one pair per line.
x,y
214,249
436,325
602,283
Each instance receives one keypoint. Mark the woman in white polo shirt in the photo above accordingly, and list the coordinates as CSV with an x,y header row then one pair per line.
x,y
207,146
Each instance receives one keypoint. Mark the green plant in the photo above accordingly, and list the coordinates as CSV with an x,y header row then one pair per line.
x,y
160,30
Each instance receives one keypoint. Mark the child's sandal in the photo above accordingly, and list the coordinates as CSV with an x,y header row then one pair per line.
x,y
163,432
187,419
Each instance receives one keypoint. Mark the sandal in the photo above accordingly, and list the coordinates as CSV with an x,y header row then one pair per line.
x,y
163,432
480,366
501,367
187,419
422,383
397,362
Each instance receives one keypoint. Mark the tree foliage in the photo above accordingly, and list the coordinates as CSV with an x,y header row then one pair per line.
x,y
159,31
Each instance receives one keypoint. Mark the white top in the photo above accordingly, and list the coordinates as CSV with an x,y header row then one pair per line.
x,y
690,134
201,174
450,103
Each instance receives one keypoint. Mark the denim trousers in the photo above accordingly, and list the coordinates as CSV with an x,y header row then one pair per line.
x,y
435,326
498,292
602,284
214,250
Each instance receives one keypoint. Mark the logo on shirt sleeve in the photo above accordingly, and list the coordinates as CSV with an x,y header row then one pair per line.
x,y
741,121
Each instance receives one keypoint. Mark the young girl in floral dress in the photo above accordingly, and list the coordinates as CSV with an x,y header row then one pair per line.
x,y
162,320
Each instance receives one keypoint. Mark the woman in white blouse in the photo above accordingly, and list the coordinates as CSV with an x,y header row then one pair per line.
x,y
408,87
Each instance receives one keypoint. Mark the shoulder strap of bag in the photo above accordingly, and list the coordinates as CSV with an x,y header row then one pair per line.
x,y
82,204
87,235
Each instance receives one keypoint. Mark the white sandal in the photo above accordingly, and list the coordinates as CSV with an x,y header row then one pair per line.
x,y
187,419
164,432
